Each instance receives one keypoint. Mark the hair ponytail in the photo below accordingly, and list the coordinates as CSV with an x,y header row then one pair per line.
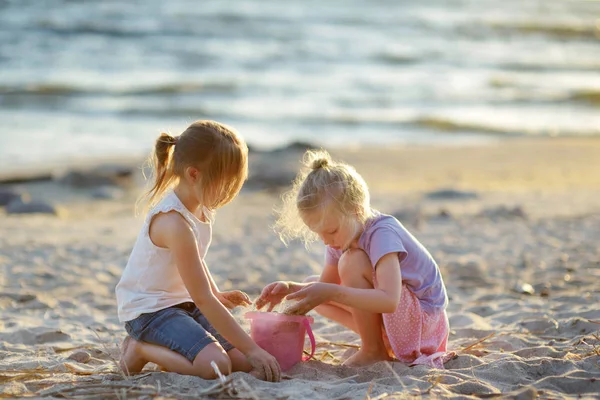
x,y
163,175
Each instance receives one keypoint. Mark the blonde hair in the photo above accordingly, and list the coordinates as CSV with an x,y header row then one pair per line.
x,y
321,185
217,150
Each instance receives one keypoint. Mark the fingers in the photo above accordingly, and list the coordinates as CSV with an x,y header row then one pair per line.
x,y
260,303
266,291
246,298
274,301
240,298
300,308
264,295
293,310
300,294
276,371
268,372
279,287
258,373
272,294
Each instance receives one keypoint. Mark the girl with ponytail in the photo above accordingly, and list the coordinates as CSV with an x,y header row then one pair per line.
x,y
174,314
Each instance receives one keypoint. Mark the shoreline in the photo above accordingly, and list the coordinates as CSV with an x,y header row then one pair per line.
x,y
545,177
53,170
538,178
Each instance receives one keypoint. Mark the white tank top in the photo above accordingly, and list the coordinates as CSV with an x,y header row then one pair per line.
x,y
151,281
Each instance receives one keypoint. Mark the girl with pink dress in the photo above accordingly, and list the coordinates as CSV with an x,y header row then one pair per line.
x,y
378,280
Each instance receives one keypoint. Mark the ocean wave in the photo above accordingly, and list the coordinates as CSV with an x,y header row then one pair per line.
x,y
178,112
59,89
554,95
443,124
449,125
221,87
127,27
102,29
559,30
587,96
396,58
573,65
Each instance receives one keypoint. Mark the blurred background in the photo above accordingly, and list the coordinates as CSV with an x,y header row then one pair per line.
x,y
83,79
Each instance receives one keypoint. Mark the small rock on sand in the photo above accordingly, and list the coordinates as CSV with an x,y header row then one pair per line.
x,y
451,194
504,212
8,195
80,356
104,175
524,288
107,193
31,207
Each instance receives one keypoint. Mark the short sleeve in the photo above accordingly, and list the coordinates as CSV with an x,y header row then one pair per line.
x,y
332,256
384,241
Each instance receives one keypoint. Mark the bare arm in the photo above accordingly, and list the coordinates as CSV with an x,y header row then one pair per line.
x,y
383,299
330,274
275,292
213,284
171,231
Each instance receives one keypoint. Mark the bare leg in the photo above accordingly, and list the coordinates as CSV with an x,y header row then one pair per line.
x,y
355,271
131,362
334,311
136,354
340,314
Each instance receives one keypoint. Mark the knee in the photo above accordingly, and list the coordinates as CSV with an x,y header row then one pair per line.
x,y
202,363
354,263
223,363
311,278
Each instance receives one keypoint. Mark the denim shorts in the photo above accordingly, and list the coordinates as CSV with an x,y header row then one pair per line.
x,y
181,328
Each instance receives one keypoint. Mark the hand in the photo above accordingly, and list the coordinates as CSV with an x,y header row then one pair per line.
x,y
274,294
233,298
264,365
310,296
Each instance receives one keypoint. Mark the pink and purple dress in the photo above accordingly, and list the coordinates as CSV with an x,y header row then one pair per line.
x,y
417,331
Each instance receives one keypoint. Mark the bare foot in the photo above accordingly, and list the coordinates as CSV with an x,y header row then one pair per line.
x,y
131,362
363,358
388,347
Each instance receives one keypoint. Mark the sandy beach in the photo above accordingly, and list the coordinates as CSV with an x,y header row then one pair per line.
x,y
514,226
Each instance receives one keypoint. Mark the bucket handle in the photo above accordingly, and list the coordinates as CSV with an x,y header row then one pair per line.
x,y
313,343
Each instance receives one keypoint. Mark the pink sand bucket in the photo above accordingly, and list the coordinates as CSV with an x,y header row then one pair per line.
x,y
282,336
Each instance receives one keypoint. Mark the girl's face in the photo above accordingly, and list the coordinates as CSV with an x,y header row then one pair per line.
x,y
335,231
